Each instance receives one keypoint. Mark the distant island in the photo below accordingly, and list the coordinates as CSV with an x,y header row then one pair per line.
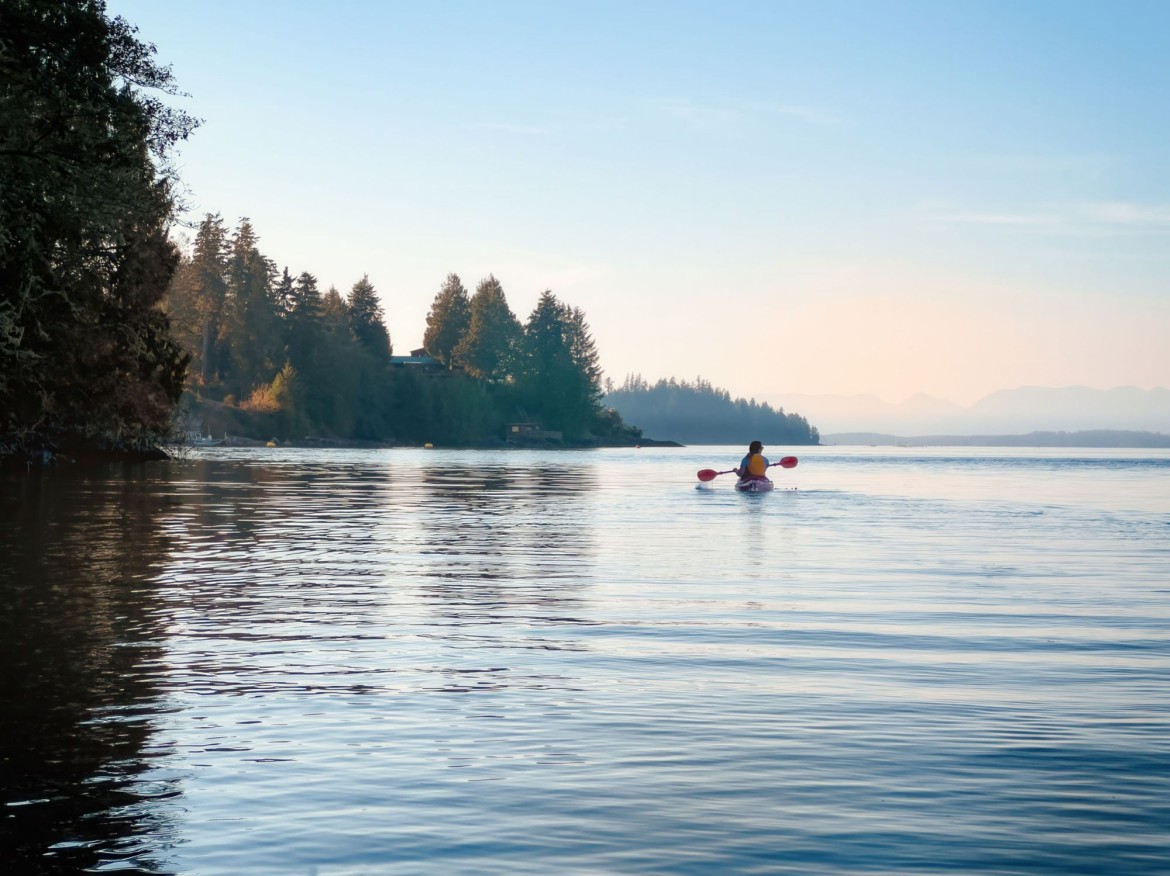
x,y
1087,439
699,413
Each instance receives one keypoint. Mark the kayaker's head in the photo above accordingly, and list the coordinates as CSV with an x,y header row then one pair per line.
x,y
755,447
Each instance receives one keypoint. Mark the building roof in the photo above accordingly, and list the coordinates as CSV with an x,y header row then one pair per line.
x,y
413,359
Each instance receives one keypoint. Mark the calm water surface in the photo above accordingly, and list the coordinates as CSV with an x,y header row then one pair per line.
x,y
359,662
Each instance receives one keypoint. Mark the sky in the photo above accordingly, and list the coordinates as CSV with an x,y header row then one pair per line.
x,y
868,197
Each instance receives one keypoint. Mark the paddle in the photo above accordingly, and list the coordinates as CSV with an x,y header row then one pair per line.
x,y
709,474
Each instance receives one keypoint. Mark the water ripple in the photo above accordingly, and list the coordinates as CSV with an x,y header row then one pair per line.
x,y
355,662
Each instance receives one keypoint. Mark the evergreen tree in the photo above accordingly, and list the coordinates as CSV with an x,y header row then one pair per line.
x,y
545,374
307,309
372,417
283,295
335,313
367,320
255,348
289,395
85,350
333,391
181,305
448,321
561,377
488,349
587,392
209,261
584,353
306,334
197,297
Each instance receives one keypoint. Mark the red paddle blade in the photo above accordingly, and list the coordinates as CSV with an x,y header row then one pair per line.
x,y
788,462
707,474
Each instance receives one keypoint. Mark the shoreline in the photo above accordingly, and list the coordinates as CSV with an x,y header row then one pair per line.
x,y
95,457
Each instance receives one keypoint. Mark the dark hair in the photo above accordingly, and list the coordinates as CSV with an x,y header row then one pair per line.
x,y
755,447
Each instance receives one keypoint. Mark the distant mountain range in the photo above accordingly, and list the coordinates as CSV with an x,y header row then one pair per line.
x,y
1093,438
1006,412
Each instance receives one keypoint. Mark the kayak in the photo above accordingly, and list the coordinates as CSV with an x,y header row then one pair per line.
x,y
754,485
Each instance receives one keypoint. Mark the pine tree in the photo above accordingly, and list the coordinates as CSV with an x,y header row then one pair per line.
x,y
367,320
448,321
488,350
561,375
210,263
255,348
586,359
306,334
333,391
307,306
197,296
545,375
283,295
181,305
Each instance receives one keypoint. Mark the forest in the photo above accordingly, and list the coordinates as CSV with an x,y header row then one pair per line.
x,y
297,362
113,338
108,329
87,359
699,413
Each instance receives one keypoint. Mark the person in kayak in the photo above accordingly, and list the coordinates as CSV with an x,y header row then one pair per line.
x,y
754,466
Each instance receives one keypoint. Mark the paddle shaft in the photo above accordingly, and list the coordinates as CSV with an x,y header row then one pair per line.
x,y
707,474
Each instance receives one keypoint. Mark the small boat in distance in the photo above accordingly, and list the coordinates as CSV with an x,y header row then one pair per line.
x,y
197,439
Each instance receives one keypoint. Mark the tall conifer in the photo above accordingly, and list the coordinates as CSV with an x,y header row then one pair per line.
x,y
448,321
282,295
488,350
251,323
367,319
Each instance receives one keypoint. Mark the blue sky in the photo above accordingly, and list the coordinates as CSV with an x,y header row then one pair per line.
x,y
862,197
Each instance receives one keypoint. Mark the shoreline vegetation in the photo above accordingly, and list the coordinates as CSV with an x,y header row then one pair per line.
x,y
273,358
87,359
227,426
115,342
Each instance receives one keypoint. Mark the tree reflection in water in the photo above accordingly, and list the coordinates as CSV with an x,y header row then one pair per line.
x,y
203,625
505,540
80,646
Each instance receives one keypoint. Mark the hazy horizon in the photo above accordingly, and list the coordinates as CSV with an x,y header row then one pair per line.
x,y
1020,410
897,401
840,198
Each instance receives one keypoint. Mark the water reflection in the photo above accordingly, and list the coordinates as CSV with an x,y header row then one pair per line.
x,y
442,662
372,605
80,639
501,539
359,561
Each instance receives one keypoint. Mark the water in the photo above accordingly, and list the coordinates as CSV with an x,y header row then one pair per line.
x,y
359,662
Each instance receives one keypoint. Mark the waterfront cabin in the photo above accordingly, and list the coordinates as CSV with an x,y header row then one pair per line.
x,y
523,433
417,359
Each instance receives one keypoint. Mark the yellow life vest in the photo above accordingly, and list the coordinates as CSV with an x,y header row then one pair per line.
x,y
756,465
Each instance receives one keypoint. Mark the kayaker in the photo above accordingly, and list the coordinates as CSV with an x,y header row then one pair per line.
x,y
754,466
